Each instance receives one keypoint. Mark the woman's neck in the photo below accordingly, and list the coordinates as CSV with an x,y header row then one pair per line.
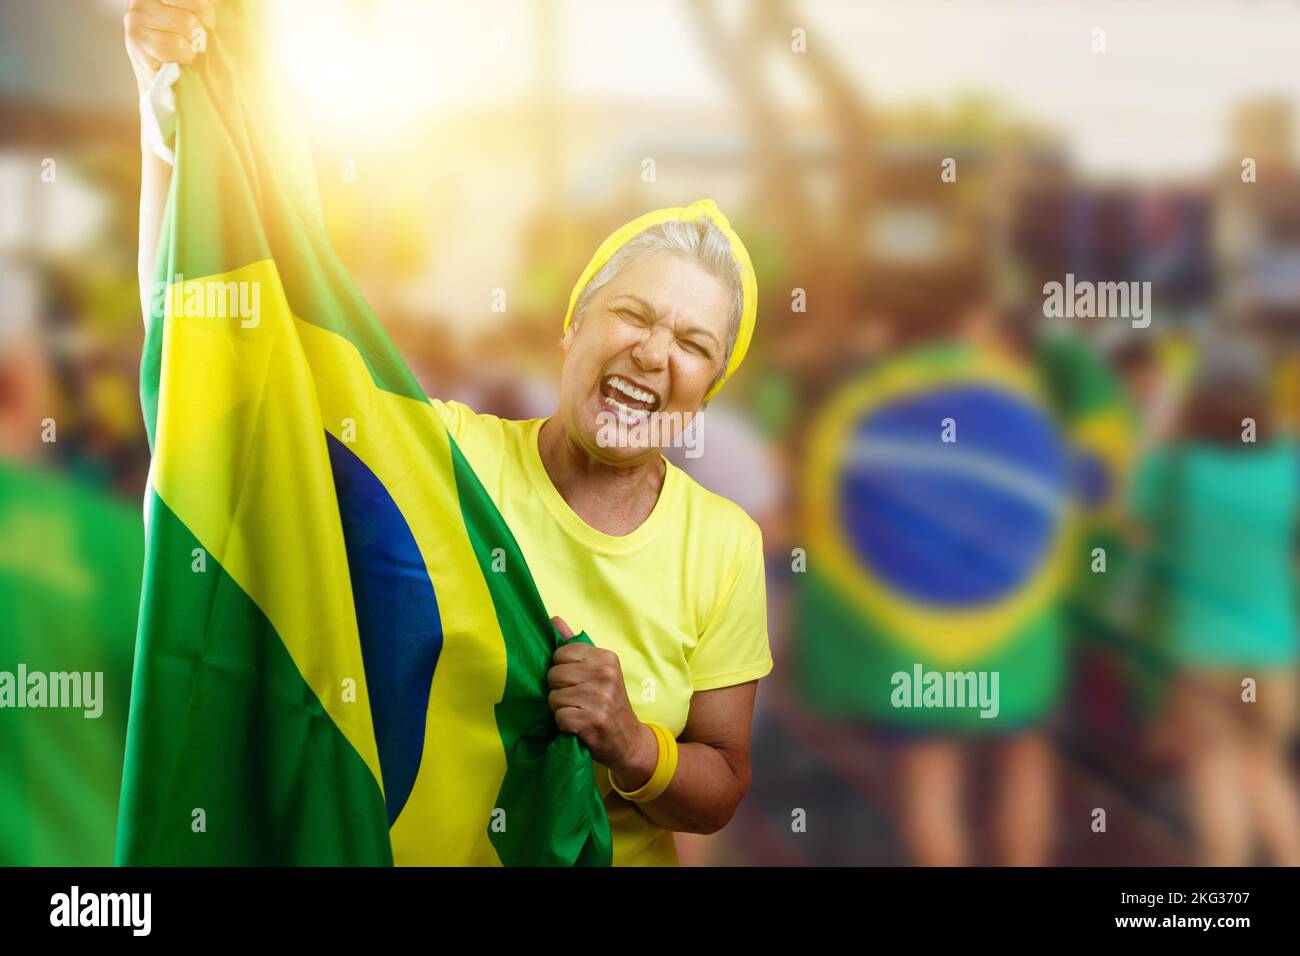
x,y
613,500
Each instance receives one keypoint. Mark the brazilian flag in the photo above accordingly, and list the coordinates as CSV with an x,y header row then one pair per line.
x,y
328,668
939,525
1098,418
1113,605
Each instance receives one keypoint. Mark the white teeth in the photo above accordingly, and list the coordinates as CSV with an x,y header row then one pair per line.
x,y
627,414
631,390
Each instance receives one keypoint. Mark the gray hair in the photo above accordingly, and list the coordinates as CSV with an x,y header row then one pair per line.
x,y
700,240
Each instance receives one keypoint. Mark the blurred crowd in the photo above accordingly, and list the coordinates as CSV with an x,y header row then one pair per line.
x,y
1117,542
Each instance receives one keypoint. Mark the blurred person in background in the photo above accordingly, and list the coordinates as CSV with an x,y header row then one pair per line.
x,y
1219,505
1117,605
26,387
70,567
953,565
1151,386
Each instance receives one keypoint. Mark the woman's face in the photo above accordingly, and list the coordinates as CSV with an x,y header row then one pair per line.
x,y
638,365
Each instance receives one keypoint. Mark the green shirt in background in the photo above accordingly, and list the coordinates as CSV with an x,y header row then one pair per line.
x,y
70,566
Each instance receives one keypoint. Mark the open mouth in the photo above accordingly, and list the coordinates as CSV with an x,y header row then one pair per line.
x,y
626,398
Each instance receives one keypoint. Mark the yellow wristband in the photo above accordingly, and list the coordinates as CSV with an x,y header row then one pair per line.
x,y
665,767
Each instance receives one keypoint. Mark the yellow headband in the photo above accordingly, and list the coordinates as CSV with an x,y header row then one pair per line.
x,y
701,209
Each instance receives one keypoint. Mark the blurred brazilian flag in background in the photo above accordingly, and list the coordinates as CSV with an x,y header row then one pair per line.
x,y
329,670
954,495
940,516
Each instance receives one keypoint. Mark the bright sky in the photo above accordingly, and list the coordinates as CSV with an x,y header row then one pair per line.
x,y
1156,102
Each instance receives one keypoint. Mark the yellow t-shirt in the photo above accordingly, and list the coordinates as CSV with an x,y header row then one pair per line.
x,y
681,599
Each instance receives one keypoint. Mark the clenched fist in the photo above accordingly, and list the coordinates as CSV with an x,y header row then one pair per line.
x,y
165,31
590,701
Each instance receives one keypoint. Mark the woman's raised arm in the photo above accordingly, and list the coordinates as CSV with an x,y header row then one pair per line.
x,y
158,32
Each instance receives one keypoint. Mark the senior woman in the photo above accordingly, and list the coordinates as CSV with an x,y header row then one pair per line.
x,y
665,577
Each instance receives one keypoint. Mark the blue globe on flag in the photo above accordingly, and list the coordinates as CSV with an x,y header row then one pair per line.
x,y
940,495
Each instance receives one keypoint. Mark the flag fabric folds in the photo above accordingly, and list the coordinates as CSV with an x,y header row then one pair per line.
x,y
341,655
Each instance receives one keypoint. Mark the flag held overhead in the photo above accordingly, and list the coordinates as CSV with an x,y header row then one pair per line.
x,y
347,681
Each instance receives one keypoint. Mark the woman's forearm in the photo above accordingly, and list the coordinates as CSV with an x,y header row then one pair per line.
x,y
704,793
155,181
159,32
713,770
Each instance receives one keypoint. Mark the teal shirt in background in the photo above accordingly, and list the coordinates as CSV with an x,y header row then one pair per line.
x,y
1223,532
